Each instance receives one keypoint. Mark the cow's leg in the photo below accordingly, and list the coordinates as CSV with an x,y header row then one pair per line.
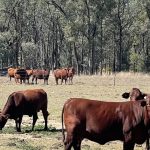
x,y
147,144
45,115
35,117
77,144
65,80
61,81
128,146
69,141
35,80
32,80
18,123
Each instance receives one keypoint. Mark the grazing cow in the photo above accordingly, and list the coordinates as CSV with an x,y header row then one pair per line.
x,y
135,94
40,74
11,72
71,72
61,74
22,75
27,102
102,122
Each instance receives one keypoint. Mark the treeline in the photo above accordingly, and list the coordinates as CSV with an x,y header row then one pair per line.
x,y
91,35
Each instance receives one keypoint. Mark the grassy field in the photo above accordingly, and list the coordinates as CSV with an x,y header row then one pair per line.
x,y
92,87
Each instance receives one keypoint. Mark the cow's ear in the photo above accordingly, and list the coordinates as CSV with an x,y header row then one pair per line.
x,y
144,95
143,103
125,95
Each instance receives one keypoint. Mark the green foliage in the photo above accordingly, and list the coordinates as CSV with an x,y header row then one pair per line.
x,y
136,62
36,33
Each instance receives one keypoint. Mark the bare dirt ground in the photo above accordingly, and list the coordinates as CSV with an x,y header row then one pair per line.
x,y
92,87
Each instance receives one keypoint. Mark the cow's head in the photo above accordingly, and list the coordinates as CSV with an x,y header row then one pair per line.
x,y
71,70
135,94
3,120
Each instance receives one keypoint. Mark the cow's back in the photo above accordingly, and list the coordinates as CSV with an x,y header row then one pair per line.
x,y
41,74
26,102
61,73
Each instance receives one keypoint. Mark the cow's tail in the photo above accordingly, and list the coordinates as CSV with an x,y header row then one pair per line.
x,y
62,120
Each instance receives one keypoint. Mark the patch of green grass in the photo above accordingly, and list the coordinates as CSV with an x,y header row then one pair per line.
x,y
22,144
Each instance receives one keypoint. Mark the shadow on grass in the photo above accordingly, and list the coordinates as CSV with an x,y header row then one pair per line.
x,y
27,129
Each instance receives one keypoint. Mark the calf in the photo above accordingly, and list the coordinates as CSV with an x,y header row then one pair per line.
x,y
102,122
27,102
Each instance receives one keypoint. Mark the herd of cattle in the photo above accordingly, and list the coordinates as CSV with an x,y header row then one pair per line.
x,y
95,120
21,75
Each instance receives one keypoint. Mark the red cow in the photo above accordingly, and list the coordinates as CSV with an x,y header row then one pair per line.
x,y
71,72
61,74
102,122
11,72
27,102
40,74
135,94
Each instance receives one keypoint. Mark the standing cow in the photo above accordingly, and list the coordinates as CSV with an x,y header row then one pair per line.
x,y
102,122
61,74
11,72
40,74
22,75
27,102
135,94
71,73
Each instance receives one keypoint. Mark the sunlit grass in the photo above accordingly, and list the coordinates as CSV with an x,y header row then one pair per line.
x,y
92,87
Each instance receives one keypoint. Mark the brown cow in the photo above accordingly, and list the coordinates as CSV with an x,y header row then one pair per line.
x,y
135,94
29,73
27,102
11,72
22,75
40,74
102,122
71,72
61,74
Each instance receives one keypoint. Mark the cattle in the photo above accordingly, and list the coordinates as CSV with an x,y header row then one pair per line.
x,y
22,75
71,72
135,94
40,74
11,72
102,122
61,74
27,102
29,73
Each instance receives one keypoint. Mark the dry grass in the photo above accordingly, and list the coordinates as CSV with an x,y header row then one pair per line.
x,y
92,87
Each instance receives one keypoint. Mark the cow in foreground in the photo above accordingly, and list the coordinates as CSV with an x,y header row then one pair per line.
x,y
102,122
135,94
27,102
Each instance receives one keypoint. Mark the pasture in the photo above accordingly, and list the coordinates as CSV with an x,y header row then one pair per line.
x,y
92,87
